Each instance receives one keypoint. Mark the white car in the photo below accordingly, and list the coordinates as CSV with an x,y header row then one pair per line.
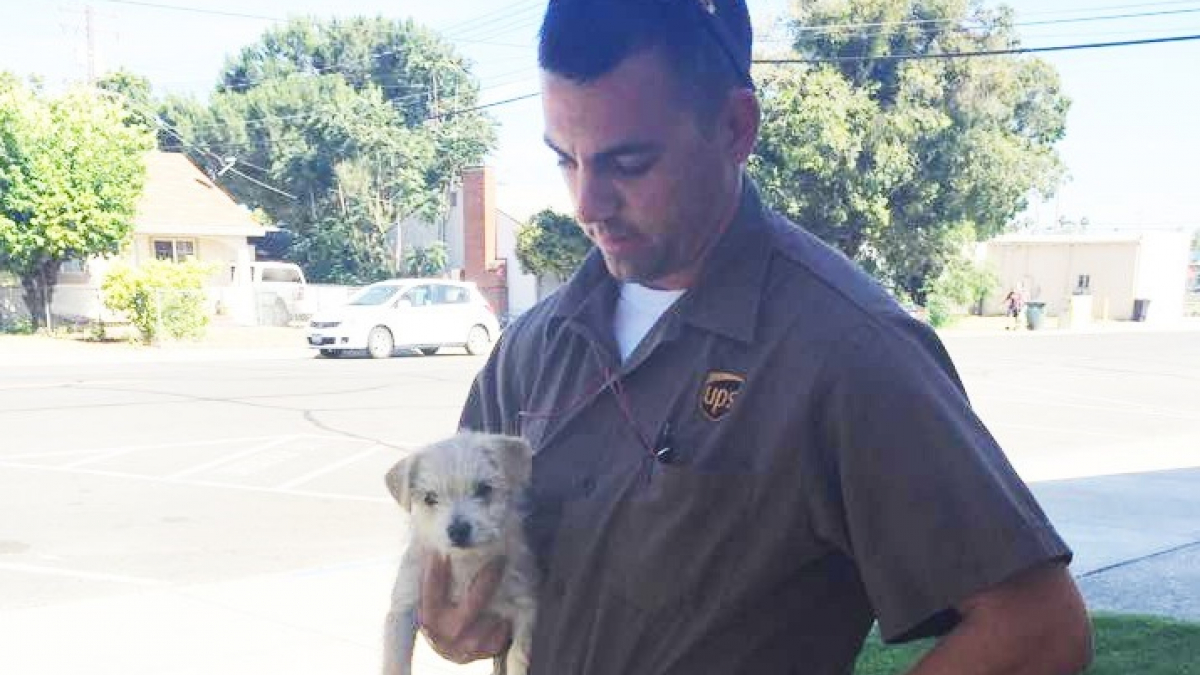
x,y
421,314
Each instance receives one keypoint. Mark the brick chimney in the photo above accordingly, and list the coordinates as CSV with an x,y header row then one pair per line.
x,y
479,237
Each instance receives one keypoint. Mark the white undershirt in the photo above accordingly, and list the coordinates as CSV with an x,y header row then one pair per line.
x,y
638,308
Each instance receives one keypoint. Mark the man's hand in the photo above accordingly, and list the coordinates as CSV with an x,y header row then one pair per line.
x,y
461,632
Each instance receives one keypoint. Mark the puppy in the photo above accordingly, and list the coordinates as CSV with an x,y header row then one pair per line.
x,y
464,495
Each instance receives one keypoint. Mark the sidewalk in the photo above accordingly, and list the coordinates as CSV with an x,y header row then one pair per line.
x,y
1001,325
328,620
247,343
220,343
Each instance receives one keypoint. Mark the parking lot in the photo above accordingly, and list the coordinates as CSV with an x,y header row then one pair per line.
x,y
178,515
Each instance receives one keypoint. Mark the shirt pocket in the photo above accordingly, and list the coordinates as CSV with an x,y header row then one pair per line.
x,y
678,536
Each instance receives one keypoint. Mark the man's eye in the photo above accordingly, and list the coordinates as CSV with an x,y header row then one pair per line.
x,y
483,490
431,499
566,163
633,168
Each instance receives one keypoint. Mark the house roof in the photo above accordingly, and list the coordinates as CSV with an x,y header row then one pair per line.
x,y
179,199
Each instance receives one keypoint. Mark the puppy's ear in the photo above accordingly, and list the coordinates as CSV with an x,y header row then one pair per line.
x,y
515,456
400,480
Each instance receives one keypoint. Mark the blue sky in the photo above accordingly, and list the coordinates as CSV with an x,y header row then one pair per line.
x,y
1132,142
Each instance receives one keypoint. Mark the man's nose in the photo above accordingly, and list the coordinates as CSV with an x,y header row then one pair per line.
x,y
596,199
459,532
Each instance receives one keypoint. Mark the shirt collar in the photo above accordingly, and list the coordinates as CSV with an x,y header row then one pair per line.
x,y
725,299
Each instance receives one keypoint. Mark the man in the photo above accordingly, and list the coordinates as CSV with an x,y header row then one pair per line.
x,y
725,483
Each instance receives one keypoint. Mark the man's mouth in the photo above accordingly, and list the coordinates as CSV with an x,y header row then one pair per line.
x,y
616,242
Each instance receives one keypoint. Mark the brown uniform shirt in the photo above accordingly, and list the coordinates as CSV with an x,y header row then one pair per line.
x,y
825,469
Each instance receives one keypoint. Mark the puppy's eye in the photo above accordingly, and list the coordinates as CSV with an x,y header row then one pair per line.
x,y
483,490
431,499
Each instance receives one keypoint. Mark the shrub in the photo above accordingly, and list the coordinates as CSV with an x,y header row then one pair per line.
x,y
161,298
960,284
551,244
17,325
426,261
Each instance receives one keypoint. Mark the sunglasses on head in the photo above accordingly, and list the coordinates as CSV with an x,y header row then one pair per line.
x,y
719,32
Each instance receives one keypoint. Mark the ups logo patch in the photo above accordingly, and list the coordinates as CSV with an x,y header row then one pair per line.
x,y
719,392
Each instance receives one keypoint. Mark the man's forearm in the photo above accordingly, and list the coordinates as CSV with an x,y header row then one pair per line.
x,y
1034,624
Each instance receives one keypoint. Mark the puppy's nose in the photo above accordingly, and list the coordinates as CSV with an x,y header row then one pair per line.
x,y
459,532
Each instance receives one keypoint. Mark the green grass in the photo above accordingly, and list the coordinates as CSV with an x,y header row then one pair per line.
x,y
1124,645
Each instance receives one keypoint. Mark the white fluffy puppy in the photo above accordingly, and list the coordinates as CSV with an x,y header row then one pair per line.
x,y
464,495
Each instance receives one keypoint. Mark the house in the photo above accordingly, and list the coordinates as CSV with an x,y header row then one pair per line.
x,y
1119,276
481,242
180,215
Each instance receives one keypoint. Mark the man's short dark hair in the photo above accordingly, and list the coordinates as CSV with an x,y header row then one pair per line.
x,y
704,43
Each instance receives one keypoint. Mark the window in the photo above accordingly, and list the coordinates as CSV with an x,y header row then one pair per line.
x,y
1084,285
175,250
375,295
419,296
451,295
285,275
74,266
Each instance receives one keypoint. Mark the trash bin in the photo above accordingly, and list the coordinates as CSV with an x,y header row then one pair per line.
x,y
1035,313
1141,307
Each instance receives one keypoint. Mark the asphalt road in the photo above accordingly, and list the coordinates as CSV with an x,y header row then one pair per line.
x,y
147,473
120,478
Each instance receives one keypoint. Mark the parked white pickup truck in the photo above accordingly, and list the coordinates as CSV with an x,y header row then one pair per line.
x,y
279,292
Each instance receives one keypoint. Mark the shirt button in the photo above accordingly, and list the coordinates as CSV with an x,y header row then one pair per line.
x,y
587,486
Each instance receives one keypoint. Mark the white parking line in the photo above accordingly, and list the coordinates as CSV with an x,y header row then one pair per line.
x,y
78,574
1122,405
226,459
1124,409
195,483
1107,435
329,468
101,454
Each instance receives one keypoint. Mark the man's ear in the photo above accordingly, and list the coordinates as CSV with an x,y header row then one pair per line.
x,y
400,480
741,118
515,456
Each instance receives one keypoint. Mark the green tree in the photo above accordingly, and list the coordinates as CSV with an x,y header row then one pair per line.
x,y
328,124
551,243
918,149
132,92
426,261
70,175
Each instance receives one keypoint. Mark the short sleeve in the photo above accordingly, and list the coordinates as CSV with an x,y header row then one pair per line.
x,y
494,400
919,493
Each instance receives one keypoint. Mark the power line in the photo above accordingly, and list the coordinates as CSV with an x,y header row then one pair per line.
x,y
1109,8
504,79
501,27
194,10
485,106
947,55
991,52
160,123
879,26
1108,33
1135,15
488,16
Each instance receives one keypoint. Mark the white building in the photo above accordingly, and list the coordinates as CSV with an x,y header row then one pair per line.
x,y
1103,276
181,215
481,242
